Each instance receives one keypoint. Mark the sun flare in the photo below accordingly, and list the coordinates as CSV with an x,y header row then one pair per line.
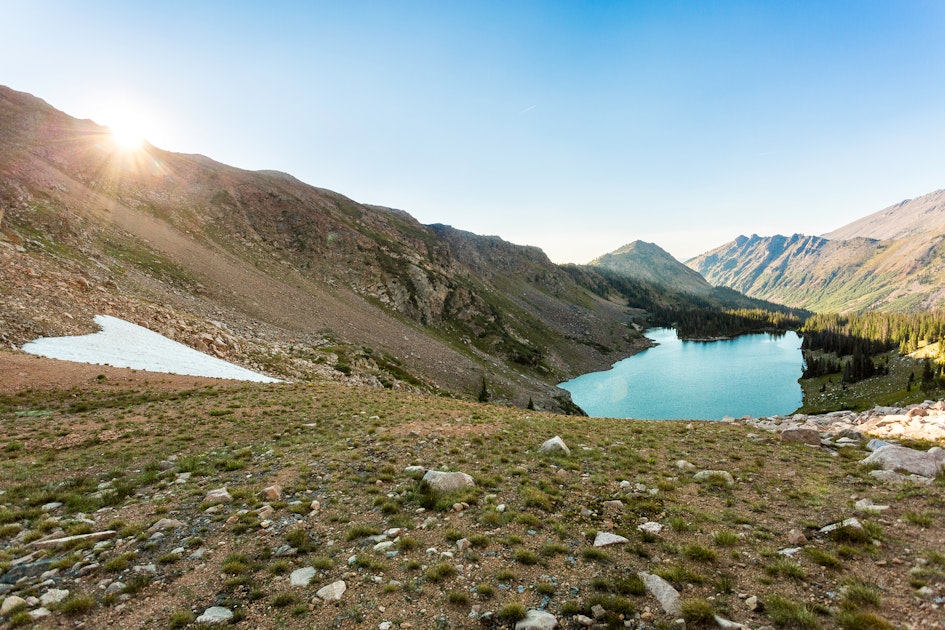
x,y
126,138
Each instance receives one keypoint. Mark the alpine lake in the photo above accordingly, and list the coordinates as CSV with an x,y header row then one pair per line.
x,y
751,375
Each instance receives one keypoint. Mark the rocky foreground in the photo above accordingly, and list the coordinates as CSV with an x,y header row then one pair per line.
x,y
301,506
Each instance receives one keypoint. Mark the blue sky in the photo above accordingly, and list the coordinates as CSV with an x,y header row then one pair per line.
x,y
573,126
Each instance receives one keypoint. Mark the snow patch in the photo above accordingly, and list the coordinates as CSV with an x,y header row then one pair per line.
x,y
123,344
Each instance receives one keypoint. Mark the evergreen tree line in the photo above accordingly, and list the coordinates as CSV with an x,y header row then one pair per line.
x,y
872,332
706,323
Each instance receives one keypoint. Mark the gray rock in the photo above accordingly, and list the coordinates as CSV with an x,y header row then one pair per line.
x,y
682,464
554,445
875,445
901,459
537,620
439,481
302,577
665,594
332,592
53,596
115,588
710,475
39,613
220,495
801,435
752,604
215,615
604,539
796,538
66,540
894,477
414,470
725,624
30,569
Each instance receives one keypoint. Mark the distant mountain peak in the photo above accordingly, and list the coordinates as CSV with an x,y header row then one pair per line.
x,y
650,262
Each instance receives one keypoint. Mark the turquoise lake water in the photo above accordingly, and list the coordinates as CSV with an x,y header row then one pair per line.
x,y
751,375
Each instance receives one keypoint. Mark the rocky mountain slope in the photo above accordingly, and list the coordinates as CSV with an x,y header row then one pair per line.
x,y
892,260
276,274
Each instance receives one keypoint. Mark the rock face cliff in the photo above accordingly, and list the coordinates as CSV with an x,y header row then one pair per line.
x,y
893,259
297,277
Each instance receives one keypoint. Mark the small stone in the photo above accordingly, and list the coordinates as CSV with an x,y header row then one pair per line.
x,y
215,615
554,445
796,538
332,592
302,577
39,613
751,603
604,539
598,611
414,470
462,544
49,507
214,497
682,464
585,622
315,506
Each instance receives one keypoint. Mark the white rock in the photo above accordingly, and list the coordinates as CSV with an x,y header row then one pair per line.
x,y
554,445
537,620
901,459
215,615
850,522
866,505
302,577
650,527
332,592
603,539
663,591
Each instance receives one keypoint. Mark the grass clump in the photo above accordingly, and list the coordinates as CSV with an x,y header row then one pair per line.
x,y
440,572
785,613
511,613
526,556
698,613
77,604
862,620
823,558
180,619
725,538
784,568
699,553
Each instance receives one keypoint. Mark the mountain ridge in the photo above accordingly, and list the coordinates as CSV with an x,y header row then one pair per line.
x,y
893,260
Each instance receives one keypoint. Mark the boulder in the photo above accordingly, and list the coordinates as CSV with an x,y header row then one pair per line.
x,y
902,459
650,527
801,435
165,523
554,445
537,620
439,481
53,596
663,591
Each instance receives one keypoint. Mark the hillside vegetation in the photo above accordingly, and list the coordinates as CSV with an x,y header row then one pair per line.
x,y
320,489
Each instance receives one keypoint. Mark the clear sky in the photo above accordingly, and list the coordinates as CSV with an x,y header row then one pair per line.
x,y
574,126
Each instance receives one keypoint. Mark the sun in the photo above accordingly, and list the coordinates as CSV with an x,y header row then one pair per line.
x,y
126,137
